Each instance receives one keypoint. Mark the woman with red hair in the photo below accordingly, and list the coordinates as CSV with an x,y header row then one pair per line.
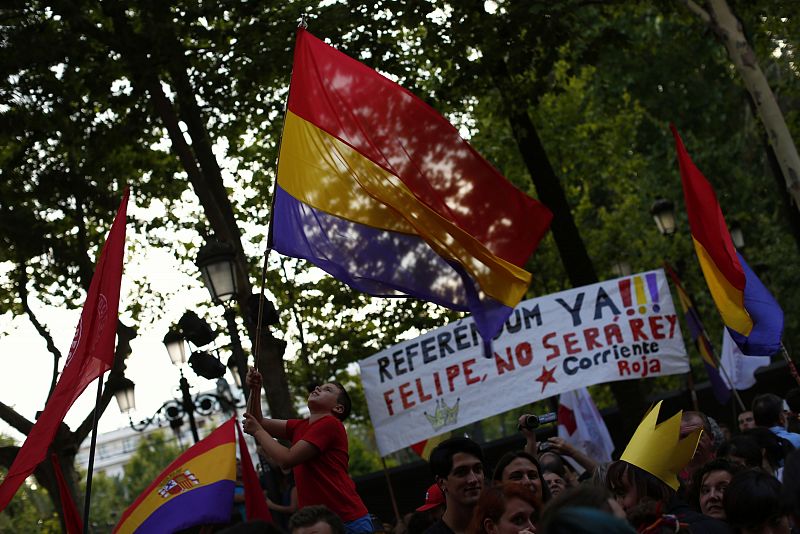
x,y
505,509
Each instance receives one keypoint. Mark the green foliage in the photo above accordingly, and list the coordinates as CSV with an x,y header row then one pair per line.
x,y
153,454
31,509
109,500
364,457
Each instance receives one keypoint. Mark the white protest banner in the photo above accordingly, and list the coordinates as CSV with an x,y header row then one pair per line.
x,y
620,329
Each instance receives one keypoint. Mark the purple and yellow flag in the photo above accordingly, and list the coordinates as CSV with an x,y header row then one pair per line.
x,y
196,489
379,190
698,332
751,314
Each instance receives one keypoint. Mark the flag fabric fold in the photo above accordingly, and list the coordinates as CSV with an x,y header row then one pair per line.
x,y
582,426
255,502
73,522
380,191
195,489
91,354
698,333
751,314
739,368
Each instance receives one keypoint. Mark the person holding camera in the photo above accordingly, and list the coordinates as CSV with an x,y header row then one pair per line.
x,y
551,451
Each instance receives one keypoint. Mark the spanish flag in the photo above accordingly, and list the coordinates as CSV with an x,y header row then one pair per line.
x,y
196,489
751,314
380,191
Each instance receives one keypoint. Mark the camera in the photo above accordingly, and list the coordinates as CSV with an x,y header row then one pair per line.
x,y
545,446
534,421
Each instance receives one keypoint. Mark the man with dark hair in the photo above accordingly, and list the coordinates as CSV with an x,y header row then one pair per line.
x,y
793,415
315,520
768,412
319,452
746,421
457,467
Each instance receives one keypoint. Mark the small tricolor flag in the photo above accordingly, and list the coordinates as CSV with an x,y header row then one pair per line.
x,y
749,311
425,448
701,340
196,489
379,190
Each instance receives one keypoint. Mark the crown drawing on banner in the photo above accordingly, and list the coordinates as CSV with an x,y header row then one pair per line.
x,y
443,415
658,449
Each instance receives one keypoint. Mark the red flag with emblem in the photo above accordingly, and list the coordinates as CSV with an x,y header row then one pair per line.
x,y
91,355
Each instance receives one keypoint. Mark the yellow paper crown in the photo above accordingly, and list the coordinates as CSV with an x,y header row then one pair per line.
x,y
658,449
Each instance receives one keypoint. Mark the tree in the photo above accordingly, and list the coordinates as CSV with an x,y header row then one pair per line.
x,y
728,28
153,453
30,510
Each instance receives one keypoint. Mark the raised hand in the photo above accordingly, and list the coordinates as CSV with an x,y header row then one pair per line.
x,y
251,425
253,379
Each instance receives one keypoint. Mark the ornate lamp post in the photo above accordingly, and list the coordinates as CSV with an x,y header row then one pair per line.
x,y
217,268
173,410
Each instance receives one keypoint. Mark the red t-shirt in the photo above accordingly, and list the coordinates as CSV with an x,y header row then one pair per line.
x,y
324,479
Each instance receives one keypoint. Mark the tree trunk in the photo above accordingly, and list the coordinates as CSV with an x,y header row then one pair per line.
x,y
203,171
729,29
574,257
274,375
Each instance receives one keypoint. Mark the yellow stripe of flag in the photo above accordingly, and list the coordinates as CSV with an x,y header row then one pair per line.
x,y
329,175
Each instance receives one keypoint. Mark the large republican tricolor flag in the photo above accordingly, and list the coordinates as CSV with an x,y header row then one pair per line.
x,y
91,355
751,314
379,190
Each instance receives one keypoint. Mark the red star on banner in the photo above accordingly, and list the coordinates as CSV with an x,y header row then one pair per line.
x,y
546,377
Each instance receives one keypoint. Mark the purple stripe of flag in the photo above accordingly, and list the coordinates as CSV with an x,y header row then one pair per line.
x,y
718,386
693,322
379,262
767,316
199,506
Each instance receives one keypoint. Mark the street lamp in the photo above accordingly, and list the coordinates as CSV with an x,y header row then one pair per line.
x,y
173,410
737,236
124,394
218,270
663,212
176,347
621,268
217,267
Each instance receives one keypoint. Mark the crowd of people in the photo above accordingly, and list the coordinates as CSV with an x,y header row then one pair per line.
x,y
678,473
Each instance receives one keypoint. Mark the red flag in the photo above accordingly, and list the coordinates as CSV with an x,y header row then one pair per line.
x,y
255,504
91,355
72,519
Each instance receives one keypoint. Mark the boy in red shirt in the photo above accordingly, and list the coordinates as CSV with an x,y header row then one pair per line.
x,y
319,452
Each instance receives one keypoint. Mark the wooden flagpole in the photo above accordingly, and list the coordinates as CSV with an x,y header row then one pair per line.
x,y
88,497
790,363
391,491
270,238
